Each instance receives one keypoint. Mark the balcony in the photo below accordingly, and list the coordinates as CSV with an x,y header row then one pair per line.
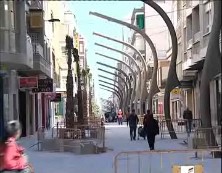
x,y
36,4
13,55
40,64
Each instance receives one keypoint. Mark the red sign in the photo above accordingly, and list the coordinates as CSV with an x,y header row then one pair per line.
x,y
28,82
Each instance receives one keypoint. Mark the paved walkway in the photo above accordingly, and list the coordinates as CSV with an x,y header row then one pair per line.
x,y
117,140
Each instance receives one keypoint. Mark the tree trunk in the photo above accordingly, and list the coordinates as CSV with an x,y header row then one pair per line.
x,y
172,79
69,85
79,91
212,67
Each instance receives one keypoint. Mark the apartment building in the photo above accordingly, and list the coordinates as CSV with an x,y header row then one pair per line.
x,y
15,54
193,21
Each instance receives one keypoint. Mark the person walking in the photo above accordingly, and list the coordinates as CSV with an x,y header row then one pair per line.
x,y
132,121
120,117
151,127
188,115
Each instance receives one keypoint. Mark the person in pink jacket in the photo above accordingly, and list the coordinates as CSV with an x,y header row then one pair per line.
x,y
14,158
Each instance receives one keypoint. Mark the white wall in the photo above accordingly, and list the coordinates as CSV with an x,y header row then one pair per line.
x,y
157,30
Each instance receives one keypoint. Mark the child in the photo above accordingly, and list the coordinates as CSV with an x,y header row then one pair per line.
x,y
14,158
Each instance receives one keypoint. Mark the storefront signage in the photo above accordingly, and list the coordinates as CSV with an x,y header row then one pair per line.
x,y
57,98
44,85
28,82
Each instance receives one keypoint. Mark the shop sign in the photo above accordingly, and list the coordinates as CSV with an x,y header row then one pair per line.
x,y
28,82
44,85
57,98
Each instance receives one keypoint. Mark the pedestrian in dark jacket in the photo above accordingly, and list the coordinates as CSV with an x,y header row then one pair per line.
x,y
132,121
152,129
188,115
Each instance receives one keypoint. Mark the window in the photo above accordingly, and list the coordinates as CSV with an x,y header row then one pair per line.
x,y
196,20
81,48
189,28
208,21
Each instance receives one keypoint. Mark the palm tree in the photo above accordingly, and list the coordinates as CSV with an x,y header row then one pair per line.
x,y
69,85
79,92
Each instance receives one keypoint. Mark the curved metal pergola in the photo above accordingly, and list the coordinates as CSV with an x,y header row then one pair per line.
x,y
131,70
127,78
126,99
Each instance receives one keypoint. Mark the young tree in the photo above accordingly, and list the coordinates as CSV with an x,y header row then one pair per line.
x,y
85,74
69,85
79,92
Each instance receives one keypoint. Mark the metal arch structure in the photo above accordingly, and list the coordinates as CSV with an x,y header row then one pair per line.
x,y
131,70
111,80
112,91
127,78
121,104
153,88
172,78
137,66
127,87
119,89
126,44
143,86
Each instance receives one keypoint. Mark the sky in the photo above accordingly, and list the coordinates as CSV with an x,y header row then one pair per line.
x,y
87,24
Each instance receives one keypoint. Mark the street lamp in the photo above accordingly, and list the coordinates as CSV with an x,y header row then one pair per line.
x,y
52,20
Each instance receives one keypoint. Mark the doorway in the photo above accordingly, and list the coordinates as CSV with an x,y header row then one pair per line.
x,y
22,111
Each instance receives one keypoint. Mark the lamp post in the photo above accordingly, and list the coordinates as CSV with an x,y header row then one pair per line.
x,y
154,88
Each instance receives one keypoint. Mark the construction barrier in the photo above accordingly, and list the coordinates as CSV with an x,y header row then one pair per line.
x,y
179,126
207,137
167,161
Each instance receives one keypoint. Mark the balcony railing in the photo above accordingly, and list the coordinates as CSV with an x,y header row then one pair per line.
x,y
38,49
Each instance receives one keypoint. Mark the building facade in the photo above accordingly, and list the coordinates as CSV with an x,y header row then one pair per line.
x,y
193,22
15,54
